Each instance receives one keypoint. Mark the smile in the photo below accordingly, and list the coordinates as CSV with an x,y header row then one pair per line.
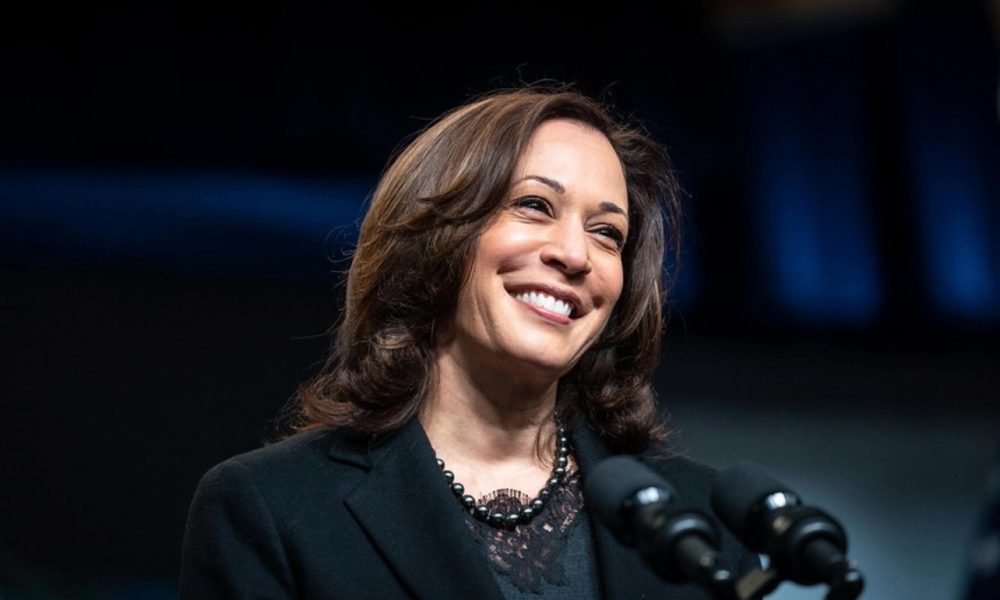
x,y
545,302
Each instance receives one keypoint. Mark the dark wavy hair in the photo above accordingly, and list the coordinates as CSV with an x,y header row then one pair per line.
x,y
413,255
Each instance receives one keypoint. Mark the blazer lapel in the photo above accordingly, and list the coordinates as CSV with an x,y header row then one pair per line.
x,y
410,514
624,574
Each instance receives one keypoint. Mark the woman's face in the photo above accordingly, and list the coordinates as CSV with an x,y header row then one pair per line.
x,y
548,268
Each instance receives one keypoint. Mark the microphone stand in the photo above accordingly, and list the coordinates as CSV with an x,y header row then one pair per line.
x,y
756,584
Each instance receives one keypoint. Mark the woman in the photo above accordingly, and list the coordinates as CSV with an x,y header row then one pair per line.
x,y
501,326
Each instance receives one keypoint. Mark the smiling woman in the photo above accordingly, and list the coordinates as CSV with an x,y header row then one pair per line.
x,y
501,326
547,270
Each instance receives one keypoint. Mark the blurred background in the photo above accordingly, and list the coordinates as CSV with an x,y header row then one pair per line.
x,y
180,186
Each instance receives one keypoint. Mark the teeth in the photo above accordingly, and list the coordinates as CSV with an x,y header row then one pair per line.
x,y
547,302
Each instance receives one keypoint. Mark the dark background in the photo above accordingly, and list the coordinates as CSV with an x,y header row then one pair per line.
x,y
180,186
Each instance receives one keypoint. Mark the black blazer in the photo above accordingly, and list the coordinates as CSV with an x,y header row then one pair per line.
x,y
319,516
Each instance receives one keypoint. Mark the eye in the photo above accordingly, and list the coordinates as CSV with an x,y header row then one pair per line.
x,y
612,233
534,203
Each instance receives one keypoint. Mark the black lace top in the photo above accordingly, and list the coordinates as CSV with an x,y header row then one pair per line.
x,y
552,556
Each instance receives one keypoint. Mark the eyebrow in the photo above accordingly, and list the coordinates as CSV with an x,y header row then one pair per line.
x,y
612,207
560,189
552,183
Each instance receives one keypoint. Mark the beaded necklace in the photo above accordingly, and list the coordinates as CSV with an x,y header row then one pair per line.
x,y
527,512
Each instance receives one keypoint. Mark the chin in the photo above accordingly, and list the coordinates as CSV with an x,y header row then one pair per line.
x,y
543,369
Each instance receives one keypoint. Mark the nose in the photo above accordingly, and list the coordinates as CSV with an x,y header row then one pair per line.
x,y
567,248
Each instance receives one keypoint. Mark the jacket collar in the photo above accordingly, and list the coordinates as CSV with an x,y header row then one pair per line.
x,y
408,512
411,516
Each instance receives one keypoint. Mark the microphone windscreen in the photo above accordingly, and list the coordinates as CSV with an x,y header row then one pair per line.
x,y
611,482
737,488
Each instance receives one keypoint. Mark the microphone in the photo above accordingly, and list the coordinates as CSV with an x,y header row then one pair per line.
x,y
641,510
806,545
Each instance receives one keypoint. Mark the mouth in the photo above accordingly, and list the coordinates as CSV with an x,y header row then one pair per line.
x,y
555,301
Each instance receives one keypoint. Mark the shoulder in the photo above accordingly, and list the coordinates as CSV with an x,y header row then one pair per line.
x,y
299,465
294,453
250,509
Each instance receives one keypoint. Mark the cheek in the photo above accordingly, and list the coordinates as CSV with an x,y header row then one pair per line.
x,y
504,247
614,282
615,288
619,283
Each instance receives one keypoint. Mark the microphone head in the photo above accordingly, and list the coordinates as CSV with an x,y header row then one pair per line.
x,y
805,544
738,489
613,483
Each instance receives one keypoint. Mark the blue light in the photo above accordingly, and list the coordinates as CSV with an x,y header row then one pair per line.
x,y
231,223
810,187
955,228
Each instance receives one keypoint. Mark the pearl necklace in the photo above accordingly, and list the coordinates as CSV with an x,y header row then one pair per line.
x,y
528,512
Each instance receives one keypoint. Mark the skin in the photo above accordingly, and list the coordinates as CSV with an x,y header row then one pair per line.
x,y
499,359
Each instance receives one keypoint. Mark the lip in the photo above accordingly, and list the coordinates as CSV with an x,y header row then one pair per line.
x,y
559,293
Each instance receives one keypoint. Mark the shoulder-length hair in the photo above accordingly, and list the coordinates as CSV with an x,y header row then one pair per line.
x,y
414,251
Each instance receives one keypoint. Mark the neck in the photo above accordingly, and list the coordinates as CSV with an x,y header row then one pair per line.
x,y
488,419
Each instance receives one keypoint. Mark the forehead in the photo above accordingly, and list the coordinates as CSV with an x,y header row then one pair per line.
x,y
576,155
568,132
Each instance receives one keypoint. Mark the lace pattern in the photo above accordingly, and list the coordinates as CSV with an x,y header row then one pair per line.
x,y
527,555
